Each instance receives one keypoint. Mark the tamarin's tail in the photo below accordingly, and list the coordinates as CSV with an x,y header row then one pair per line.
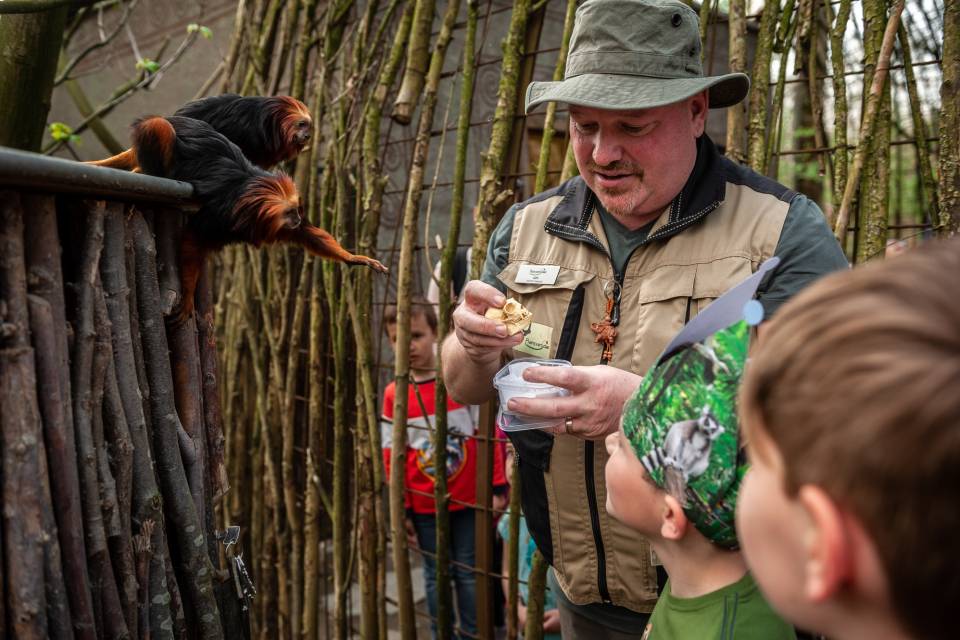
x,y
153,144
126,160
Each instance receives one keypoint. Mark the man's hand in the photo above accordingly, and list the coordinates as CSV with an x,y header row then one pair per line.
x,y
482,339
597,396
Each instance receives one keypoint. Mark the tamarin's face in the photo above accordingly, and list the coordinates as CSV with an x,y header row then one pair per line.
x,y
293,218
296,123
303,132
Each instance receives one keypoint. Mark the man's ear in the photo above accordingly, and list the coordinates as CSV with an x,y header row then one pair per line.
x,y
828,554
673,523
699,105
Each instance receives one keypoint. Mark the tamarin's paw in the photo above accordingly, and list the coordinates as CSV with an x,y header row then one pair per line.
x,y
376,265
180,314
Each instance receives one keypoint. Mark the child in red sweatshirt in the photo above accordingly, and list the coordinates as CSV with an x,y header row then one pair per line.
x,y
420,472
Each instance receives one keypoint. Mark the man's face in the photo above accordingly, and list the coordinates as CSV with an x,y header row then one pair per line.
x,y
637,161
772,528
631,498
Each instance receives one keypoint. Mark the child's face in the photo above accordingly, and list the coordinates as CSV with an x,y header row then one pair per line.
x,y
631,497
422,341
773,530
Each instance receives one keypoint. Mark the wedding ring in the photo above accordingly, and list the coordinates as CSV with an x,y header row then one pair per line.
x,y
567,425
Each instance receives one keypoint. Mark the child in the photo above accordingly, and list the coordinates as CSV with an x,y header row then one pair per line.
x,y
673,475
420,472
526,546
850,512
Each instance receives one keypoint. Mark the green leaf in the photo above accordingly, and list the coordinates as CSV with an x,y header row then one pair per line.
x,y
193,27
61,132
148,65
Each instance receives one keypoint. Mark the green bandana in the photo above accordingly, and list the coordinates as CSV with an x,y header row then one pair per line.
x,y
682,424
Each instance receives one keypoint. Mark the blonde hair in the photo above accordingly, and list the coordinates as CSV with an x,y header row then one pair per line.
x,y
857,382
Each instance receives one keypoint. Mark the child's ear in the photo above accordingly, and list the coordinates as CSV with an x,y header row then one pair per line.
x,y
674,523
828,554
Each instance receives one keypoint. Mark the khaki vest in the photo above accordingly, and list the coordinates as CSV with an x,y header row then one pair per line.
x,y
692,255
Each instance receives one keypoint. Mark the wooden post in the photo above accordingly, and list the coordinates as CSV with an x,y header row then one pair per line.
x,y
21,439
483,524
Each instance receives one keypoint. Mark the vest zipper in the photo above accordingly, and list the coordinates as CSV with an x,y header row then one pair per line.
x,y
595,522
588,454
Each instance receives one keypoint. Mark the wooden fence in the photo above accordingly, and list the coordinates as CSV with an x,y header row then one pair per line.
x,y
112,442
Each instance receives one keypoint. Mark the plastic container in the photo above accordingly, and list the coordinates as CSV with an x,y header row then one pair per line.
x,y
510,384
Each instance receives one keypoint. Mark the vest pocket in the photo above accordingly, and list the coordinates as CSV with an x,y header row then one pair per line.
x,y
549,302
665,300
714,278
533,456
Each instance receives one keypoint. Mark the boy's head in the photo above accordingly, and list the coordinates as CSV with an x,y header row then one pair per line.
x,y
675,464
851,405
634,499
423,332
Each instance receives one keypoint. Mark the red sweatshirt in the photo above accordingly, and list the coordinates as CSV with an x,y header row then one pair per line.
x,y
461,448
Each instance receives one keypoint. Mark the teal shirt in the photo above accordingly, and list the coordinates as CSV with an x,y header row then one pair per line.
x,y
806,248
527,546
736,612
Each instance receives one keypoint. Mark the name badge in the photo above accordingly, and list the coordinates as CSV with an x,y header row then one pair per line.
x,y
536,341
537,274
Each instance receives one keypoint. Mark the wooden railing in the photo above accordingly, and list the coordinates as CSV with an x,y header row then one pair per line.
x,y
110,429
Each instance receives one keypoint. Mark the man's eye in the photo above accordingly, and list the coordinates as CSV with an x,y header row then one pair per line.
x,y
584,128
639,130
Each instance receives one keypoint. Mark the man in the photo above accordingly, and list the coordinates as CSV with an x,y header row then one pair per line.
x,y
612,263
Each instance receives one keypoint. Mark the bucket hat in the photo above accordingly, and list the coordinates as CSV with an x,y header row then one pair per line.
x,y
636,54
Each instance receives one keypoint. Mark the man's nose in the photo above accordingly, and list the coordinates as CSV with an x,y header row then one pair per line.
x,y
606,149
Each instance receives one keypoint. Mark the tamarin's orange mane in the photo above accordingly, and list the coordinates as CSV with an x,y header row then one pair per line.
x,y
269,198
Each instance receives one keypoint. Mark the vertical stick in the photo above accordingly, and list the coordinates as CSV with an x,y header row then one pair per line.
x,y
871,215
757,128
950,121
491,171
866,127
536,583
45,281
550,116
20,438
188,532
418,59
404,294
737,46
839,105
927,182
513,581
441,497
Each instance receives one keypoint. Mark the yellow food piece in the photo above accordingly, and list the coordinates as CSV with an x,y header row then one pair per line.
x,y
513,315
